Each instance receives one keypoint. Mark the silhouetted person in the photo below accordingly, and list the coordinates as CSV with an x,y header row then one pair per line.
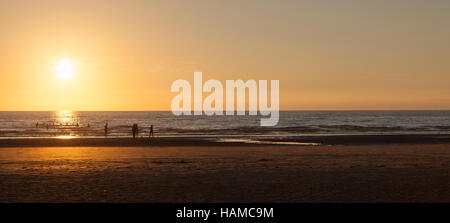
x,y
106,129
134,129
46,126
37,124
89,125
151,131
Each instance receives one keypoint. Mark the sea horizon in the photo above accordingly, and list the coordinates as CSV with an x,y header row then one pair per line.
x,y
44,124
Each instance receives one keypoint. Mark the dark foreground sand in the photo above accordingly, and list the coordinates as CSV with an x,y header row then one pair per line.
x,y
377,173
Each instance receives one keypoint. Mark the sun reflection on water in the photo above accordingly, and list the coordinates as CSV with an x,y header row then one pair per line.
x,y
64,116
65,137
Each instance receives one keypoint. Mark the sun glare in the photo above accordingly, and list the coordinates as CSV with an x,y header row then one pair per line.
x,y
64,69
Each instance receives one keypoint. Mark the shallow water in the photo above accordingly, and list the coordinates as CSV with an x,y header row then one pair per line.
x,y
91,123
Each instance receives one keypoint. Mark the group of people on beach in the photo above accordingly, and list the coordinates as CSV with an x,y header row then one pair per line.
x,y
134,130
53,125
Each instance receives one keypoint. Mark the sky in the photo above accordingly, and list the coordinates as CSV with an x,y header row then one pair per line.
x,y
327,55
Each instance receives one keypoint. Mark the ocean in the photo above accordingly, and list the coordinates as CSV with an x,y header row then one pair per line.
x,y
43,124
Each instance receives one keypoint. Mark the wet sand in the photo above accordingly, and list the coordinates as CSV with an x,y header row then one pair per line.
x,y
212,141
362,173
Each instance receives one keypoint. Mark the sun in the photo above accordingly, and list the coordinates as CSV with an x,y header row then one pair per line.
x,y
64,69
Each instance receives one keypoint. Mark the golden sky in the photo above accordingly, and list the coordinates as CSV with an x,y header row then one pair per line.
x,y
327,54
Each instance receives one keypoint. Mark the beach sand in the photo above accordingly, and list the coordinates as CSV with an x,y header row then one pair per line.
x,y
364,173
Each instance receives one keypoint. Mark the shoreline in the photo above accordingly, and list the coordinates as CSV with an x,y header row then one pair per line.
x,y
363,140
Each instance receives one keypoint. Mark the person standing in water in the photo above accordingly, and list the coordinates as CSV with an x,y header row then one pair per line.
x,y
150,135
134,129
106,129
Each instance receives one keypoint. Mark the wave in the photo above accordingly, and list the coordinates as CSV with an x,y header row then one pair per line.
x,y
23,124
